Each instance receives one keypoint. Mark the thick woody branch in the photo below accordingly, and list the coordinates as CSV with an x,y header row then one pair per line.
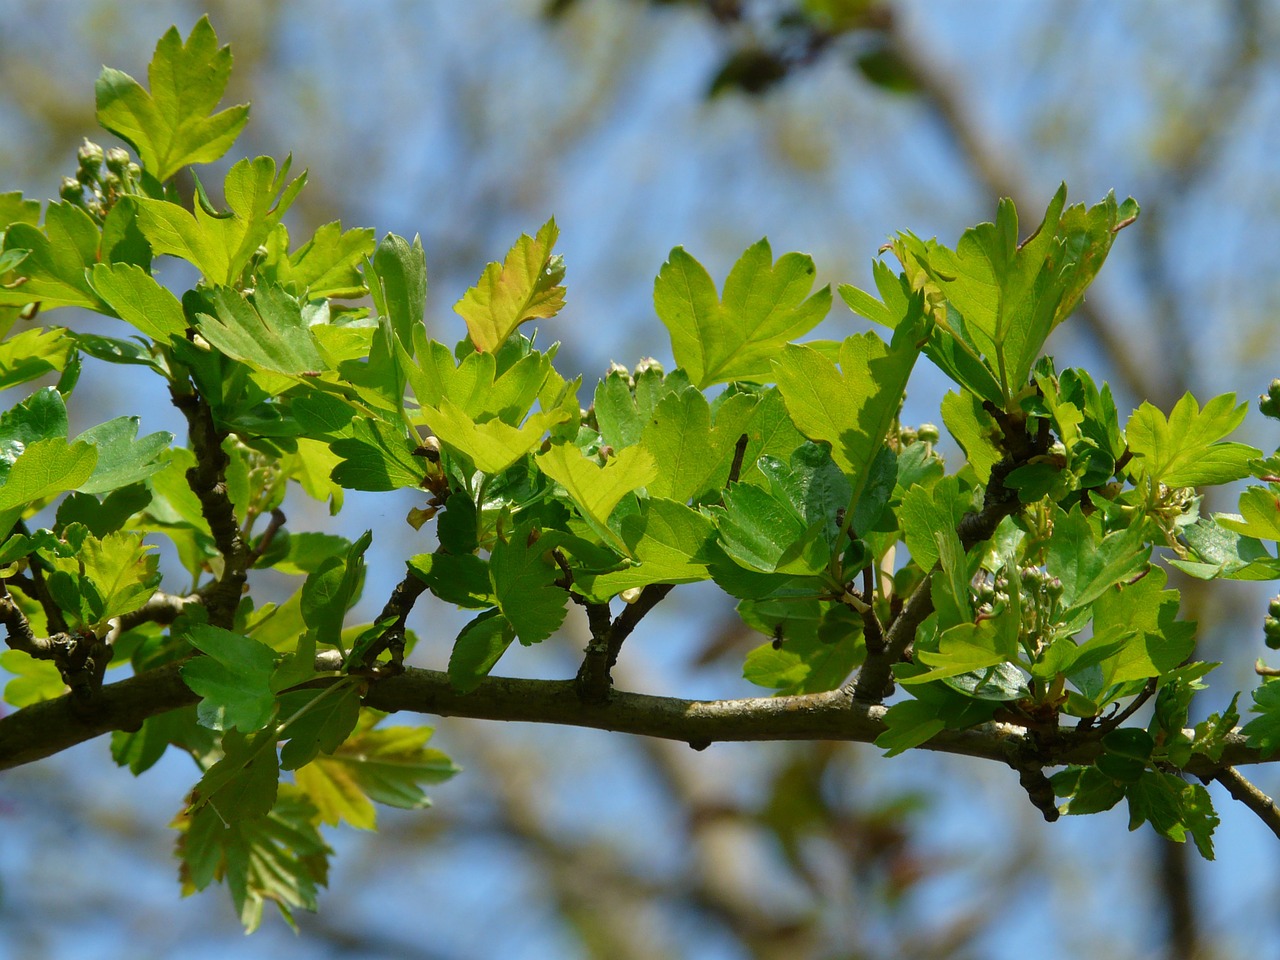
x,y
208,480
44,729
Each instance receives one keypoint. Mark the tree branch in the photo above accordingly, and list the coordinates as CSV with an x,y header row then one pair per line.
x,y
52,726
1253,798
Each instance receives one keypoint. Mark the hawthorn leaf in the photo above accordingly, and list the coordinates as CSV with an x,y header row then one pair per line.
x,y
853,406
1088,567
462,580
964,648
47,467
692,458
1262,732
668,543
378,456
927,510
233,679
279,857
220,245
56,260
122,460
909,724
33,353
173,124
321,722
331,590
117,574
479,646
33,680
974,429
595,489
269,330
763,532
525,286
399,287
1158,640
1174,808
327,265
492,446
136,296
387,766
1184,450
42,416
765,305
524,585
617,416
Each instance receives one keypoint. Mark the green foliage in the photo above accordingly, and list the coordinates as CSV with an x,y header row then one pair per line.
x,y
1026,585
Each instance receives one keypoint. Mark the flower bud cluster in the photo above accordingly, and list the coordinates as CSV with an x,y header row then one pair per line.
x,y
1271,625
102,177
1269,402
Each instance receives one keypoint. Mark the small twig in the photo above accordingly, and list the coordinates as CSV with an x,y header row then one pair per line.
x,y
398,605
264,542
1110,723
1251,797
872,631
21,636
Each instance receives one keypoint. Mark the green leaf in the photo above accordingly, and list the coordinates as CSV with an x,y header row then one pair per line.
x,y
763,532
1223,552
1174,808
45,468
462,580
327,265
233,679
33,680
400,290
964,648
974,429
244,783
1183,451
174,125
493,445
375,766
42,416
1262,732
1260,514
595,489
33,353
377,457
692,458
332,589
220,246
668,543
122,460
524,585
617,416
279,857
269,331
320,721
1160,641
478,647
816,645
925,510
1088,567
909,724
117,574
56,261
764,306
523,287
135,295
850,408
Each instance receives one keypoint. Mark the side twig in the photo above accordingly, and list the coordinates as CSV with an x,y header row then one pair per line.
x,y
1253,798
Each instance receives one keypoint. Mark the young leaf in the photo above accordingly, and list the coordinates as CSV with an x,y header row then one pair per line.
x,y
33,353
668,543
523,287
327,265
524,585
118,574
1087,567
133,294
174,125
122,460
269,330
400,288
595,489
852,407
220,246
234,679
45,468
385,766
692,457
322,721
764,307
478,647
492,446
462,580
1183,451
56,261
33,680
279,857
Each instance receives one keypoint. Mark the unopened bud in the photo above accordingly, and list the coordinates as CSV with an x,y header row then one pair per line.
x,y
928,432
71,190
118,161
90,158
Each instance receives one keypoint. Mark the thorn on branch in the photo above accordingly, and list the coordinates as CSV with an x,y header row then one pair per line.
x,y
269,534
